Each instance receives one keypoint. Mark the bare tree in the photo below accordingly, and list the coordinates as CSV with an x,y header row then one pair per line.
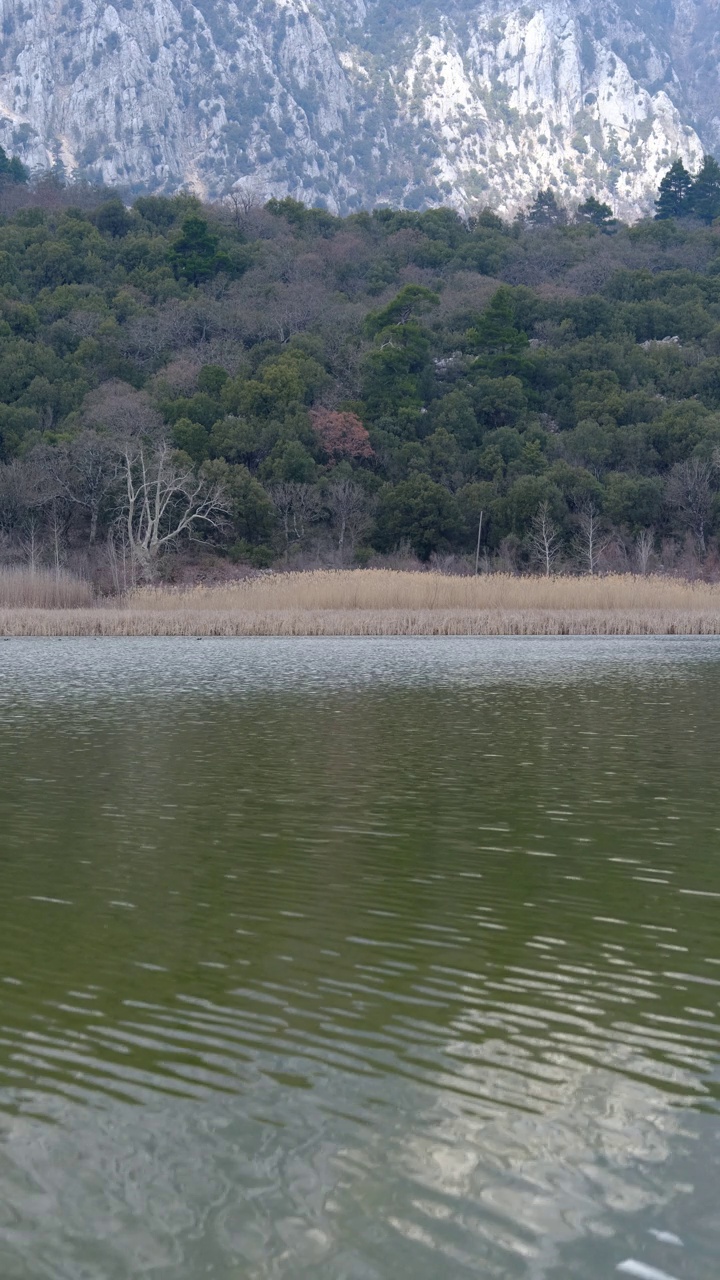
x,y
121,412
644,546
240,202
27,495
84,472
150,335
544,539
162,501
298,505
592,539
690,491
348,505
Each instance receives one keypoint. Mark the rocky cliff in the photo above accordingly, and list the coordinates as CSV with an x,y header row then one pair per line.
x,y
357,102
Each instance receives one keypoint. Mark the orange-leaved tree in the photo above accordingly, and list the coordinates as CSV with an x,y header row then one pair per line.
x,y
342,435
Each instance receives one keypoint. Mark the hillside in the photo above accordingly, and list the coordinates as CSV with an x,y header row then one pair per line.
x,y
346,387
364,101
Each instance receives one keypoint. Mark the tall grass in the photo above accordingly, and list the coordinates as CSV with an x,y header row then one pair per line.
x,y
357,622
22,588
383,589
366,602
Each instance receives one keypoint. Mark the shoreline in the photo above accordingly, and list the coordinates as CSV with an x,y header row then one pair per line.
x,y
100,621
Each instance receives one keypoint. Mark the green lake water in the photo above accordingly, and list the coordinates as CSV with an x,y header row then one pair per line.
x,y
359,959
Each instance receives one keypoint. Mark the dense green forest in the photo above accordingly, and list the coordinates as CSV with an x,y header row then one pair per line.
x,y
274,385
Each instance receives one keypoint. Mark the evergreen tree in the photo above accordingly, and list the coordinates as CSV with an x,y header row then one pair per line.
x,y
195,255
12,170
545,210
705,191
673,199
597,213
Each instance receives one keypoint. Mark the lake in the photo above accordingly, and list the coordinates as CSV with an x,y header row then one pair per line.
x,y
359,959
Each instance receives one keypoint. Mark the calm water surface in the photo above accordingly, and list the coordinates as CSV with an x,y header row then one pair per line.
x,y
359,959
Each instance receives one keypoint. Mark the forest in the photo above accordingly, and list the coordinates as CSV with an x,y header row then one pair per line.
x,y
186,389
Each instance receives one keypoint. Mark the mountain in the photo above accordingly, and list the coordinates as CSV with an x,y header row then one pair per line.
x,y
352,103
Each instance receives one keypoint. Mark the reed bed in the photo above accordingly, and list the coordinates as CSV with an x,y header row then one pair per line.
x,y
380,590
23,588
372,602
357,622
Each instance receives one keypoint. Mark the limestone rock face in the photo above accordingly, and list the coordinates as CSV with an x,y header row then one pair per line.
x,y
352,103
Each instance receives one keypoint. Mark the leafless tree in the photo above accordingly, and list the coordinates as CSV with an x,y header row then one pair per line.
x,y
293,308
592,539
27,495
690,490
544,539
644,546
298,506
235,208
162,501
348,506
84,472
120,412
150,335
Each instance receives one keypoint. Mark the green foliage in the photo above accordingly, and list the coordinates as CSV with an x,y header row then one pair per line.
x,y
597,214
681,196
412,301
545,210
674,192
704,197
12,169
113,219
421,512
195,256
585,370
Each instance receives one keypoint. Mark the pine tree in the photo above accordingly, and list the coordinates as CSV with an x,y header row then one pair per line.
x,y
673,199
600,215
705,191
545,210
12,168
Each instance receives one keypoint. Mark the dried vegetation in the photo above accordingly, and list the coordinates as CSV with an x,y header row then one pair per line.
x,y
22,588
367,602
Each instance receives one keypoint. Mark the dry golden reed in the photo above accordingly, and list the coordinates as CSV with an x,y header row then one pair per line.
x,y
23,588
356,622
385,602
383,589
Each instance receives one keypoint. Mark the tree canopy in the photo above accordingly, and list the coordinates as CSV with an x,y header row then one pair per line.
x,y
393,382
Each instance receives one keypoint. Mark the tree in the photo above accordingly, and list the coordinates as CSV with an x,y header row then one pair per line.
x,y
644,546
163,500
250,509
27,494
122,413
342,435
413,300
12,168
544,539
704,200
592,539
113,219
421,512
673,199
500,344
348,505
85,472
545,210
597,214
690,491
298,506
195,254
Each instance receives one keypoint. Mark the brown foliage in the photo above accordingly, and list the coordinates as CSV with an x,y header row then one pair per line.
x,y
342,435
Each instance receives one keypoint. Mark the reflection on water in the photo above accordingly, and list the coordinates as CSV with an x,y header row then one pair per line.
x,y
359,959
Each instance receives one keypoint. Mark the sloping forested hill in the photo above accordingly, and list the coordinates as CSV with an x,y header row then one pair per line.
x,y
352,386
